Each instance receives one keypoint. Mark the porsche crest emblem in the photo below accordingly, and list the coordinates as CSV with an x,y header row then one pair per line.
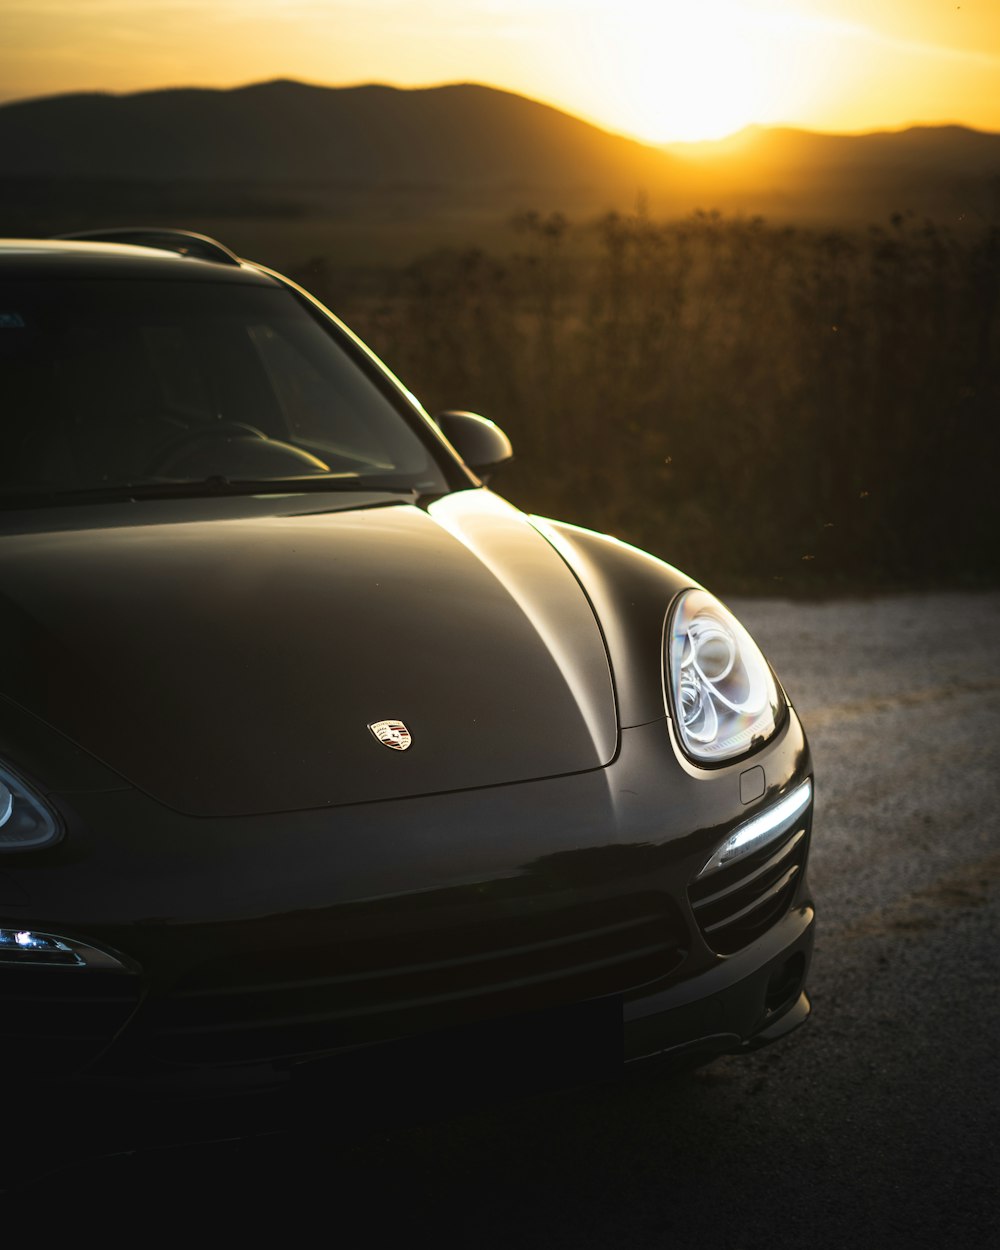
x,y
392,734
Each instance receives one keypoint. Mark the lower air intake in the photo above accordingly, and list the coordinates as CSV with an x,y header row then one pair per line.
x,y
734,906
369,988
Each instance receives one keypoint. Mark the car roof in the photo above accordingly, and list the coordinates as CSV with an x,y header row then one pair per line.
x,y
74,258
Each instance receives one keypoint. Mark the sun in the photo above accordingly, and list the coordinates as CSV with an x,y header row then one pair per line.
x,y
688,71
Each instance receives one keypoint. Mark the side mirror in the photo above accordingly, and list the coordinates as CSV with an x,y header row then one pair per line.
x,y
481,444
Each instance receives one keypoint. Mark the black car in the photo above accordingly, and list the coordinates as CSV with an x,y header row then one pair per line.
x,y
315,754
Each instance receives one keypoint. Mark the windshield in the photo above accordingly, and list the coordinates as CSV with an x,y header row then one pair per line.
x,y
126,385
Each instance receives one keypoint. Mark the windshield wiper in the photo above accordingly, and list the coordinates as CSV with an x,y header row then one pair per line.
x,y
207,488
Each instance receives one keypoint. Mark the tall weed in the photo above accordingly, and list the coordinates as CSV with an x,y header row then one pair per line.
x,y
768,408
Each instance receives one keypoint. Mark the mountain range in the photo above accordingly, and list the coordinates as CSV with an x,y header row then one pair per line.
x,y
290,132
298,144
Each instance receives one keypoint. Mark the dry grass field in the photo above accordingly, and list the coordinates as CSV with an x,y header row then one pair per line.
x,y
777,408
770,408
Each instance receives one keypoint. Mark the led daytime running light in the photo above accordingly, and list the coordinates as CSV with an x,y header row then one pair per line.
x,y
27,948
763,828
23,946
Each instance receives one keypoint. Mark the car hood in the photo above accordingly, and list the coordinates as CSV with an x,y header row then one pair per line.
x,y
233,665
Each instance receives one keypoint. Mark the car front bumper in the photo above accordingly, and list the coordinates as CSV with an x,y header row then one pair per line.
x,y
535,933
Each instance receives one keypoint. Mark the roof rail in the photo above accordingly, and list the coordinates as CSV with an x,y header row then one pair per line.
x,y
184,242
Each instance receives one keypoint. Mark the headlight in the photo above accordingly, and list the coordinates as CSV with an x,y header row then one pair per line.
x,y
26,823
721,693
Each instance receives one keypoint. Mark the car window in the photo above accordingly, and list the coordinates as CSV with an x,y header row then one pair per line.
x,y
126,382
306,388
179,376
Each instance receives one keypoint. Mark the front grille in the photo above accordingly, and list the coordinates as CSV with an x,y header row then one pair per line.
x,y
735,905
270,1004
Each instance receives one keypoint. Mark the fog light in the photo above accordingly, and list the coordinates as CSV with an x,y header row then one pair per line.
x,y
762,829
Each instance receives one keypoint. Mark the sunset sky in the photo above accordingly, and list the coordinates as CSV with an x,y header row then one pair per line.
x,y
657,69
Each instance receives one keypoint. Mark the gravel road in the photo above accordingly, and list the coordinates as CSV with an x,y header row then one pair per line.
x,y
876,1125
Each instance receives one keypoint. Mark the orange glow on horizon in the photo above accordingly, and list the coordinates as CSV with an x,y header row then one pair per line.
x,y
657,69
